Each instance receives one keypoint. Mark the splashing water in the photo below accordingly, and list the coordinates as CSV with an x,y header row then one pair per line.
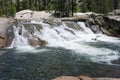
x,y
68,38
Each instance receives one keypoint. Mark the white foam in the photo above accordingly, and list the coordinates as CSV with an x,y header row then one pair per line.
x,y
108,38
68,38
19,40
106,58
29,49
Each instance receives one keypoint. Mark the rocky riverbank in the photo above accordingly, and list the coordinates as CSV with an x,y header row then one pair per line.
x,y
109,25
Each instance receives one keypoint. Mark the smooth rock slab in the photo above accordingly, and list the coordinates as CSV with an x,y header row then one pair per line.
x,y
4,25
32,15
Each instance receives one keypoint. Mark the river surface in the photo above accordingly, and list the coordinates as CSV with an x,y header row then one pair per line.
x,y
71,50
28,63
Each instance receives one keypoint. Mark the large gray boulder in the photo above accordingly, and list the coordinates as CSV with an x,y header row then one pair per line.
x,y
53,21
115,12
4,25
77,17
113,23
32,15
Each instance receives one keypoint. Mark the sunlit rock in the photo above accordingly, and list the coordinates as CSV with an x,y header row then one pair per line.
x,y
32,15
115,12
85,78
4,25
66,78
76,17
53,21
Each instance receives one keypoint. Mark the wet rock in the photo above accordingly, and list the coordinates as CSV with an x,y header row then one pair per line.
x,y
27,30
109,25
96,29
2,42
99,21
73,25
32,27
42,43
90,21
9,36
33,42
104,31
36,41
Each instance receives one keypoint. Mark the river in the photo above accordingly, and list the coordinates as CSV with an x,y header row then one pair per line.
x,y
68,52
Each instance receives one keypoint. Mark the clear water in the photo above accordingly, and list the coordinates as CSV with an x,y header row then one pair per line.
x,y
50,62
68,52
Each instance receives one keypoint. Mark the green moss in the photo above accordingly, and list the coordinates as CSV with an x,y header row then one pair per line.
x,y
113,30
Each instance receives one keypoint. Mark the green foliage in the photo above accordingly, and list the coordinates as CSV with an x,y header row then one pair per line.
x,y
62,7
78,8
113,30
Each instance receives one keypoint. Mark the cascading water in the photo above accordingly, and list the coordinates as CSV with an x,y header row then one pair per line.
x,y
40,51
20,39
68,38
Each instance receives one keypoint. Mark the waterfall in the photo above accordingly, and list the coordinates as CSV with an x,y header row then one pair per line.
x,y
74,36
55,35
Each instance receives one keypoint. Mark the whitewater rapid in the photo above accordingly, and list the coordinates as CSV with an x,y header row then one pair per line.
x,y
68,38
